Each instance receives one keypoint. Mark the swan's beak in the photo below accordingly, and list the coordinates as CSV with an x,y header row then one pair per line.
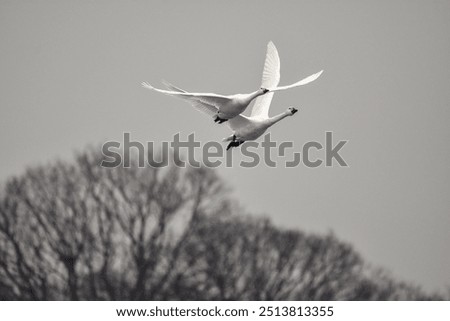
x,y
294,110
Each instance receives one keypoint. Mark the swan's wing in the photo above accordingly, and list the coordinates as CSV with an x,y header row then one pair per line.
x,y
238,122
206,98
302,82
207,109
173,87
270,79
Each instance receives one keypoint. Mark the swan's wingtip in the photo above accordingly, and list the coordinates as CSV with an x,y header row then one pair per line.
x,y
146,85
318,74
270,44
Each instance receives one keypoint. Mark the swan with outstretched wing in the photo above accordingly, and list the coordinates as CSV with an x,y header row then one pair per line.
x,y
250,128
226,107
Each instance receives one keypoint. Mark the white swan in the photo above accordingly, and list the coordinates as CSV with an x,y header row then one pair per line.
x,y
223,107
251,128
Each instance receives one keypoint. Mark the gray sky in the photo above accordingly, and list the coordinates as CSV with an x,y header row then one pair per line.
x,y
70,74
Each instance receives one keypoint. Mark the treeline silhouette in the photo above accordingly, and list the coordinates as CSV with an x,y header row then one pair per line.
x,y
77,231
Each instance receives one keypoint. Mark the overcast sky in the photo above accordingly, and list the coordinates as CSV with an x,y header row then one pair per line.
x,y
70,74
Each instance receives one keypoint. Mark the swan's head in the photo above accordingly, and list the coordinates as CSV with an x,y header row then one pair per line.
x,y
292,110
264,90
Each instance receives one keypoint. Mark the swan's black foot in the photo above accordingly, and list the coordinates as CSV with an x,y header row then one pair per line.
x,y
219,120
265,90
234,144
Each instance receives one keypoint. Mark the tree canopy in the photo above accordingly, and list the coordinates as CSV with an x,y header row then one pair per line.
x,y
77,231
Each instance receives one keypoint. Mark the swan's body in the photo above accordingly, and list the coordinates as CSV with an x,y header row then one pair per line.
x,y
223,107
220,106
251,128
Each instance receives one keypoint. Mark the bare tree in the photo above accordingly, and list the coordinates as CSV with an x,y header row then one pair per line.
x,y
80,231
77,231
242,258
251,259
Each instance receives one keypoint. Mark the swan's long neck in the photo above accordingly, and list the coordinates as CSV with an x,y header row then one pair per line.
x,y
275,119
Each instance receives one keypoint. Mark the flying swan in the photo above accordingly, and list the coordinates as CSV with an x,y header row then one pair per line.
x,y
251,128
226,107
